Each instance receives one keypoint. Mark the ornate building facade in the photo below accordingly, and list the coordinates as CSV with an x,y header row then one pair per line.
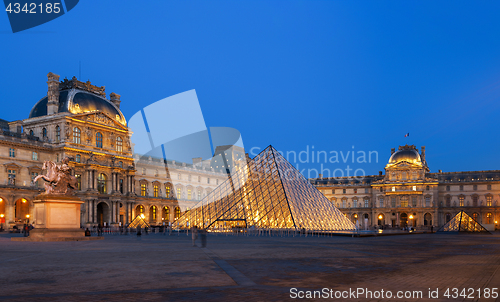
x,y
76,120
409,195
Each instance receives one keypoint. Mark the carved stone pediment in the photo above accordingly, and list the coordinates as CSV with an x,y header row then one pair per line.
x,y
101,118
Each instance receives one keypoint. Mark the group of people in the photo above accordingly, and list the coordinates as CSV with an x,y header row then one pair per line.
x,y
203,236
26,229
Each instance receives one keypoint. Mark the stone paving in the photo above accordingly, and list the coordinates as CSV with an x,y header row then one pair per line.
x,y
247,268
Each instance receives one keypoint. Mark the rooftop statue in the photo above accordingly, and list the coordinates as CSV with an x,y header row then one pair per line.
x,y
59,180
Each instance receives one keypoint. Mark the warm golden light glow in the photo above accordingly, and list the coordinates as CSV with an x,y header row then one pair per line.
x,y
27,215
355,215
380,217
24,200
2,215
1,199
142,216
411,216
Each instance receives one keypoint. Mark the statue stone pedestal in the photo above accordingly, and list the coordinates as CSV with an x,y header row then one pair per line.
x,y
57,218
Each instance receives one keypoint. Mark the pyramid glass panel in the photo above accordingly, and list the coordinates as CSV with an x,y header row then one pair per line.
x,y
267,193
462,222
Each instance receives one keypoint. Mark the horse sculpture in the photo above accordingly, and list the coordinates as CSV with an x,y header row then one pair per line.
x,y
59,180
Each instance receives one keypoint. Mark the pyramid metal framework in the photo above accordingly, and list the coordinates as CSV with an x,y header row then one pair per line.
x,y
462,222
269,193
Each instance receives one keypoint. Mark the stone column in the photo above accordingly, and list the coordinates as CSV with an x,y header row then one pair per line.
x,y
94,211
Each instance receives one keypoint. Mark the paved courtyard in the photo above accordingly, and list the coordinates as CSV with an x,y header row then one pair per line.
x,y
168,268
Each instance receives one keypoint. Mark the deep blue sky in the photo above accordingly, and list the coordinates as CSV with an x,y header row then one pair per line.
x,y
328,74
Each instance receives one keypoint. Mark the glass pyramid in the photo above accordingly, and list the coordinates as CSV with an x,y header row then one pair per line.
x,y
462,222
267,192
138,222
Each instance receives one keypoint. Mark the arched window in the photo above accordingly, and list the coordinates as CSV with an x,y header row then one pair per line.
x,y
2,209
98,140
166,214
489,201
177,213
152,214
101,183
139,210
119,144
427,219
58,134
44,132
77,135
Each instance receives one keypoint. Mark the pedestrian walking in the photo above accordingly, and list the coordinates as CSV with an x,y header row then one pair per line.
x,y
194,234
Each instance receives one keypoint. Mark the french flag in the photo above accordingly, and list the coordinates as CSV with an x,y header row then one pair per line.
x,y
407,134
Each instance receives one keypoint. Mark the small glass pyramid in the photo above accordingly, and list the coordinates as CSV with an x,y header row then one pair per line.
x,y
267,192
138,222
462,222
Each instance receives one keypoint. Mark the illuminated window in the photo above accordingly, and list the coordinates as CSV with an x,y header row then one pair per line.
x,y
139,210
155,190
474,216
489,218
404,201
58,134
178,193
461,201
393,189
101,183
78,182
489,201
34,156
414,188
189,194
166,213
152,214
143,189
167,191
177,212
98,140
76,135
12,152
119,144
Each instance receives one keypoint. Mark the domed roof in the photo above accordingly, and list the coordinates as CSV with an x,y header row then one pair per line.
x,y
78,101
408,155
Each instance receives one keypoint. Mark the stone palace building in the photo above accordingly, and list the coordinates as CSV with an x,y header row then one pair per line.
x,y
76,120
408,195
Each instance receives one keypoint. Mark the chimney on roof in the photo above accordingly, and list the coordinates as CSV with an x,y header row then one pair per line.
x,y
379,173
52,93
422,153
393,150
115,99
